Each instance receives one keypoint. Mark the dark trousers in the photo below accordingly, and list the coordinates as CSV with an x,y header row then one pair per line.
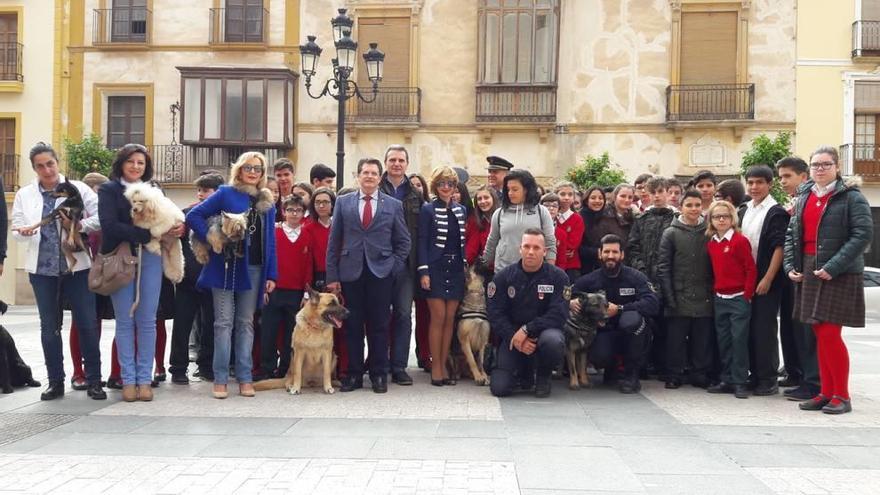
x,y
205,359
690,344
189,303
798,342
403,289
509,362
368,300
732,328
50,292
763,340
657,353
614,340
278,316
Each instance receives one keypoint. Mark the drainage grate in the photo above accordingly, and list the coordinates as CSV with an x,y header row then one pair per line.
x,y
16,426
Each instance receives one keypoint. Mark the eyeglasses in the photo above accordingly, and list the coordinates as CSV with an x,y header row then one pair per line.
x,y
551,205
721,216
294,210
446,183
252,168
322,203
821,165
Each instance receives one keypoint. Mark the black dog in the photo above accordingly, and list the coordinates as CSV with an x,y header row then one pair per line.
x,y
71,208
13,370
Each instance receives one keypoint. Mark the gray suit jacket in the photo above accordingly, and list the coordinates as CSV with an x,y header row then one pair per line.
x,y
385,243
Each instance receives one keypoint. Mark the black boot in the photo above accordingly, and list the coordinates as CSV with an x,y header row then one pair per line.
x,y
53,391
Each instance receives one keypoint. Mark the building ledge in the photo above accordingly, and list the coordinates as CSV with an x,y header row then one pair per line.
x,y
11,86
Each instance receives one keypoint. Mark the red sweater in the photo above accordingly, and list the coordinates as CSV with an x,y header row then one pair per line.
x,y
294,260
812,214
733,265
474,239
561,246
573,230
318,238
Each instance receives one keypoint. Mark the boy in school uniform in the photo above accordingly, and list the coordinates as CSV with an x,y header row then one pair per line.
x,y
572,226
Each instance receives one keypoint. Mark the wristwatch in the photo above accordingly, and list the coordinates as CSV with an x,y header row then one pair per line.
x,y
620,308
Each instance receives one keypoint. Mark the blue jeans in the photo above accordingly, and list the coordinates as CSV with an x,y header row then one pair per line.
x,y
235,309
138,334
402,290
75,288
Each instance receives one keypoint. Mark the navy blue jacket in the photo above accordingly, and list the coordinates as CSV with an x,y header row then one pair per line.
x,y
429,250
536,300
114,211
630,288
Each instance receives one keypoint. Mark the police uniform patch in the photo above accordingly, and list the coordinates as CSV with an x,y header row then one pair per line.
x,y
490,290
627,291
545,289
511,292
566,293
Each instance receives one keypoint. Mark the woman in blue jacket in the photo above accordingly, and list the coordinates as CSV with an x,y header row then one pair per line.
x,y
440,253
238,283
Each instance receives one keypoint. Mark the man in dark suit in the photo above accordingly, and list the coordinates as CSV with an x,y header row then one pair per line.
x,y
369,244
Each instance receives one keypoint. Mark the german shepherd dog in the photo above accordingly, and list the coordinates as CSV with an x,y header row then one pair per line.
x,y
472,330
72,207
13,370
313,360
580,330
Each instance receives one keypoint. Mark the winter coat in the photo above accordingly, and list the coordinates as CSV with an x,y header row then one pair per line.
x,y
644,240
412,205
685,271
506,230
611,223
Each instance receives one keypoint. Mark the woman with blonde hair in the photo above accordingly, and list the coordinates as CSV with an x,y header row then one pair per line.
x,y
238,283
441,265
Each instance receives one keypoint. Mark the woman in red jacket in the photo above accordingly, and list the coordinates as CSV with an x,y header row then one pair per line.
x,y
477,229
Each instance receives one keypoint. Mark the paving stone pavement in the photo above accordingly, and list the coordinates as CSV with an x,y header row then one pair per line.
x,y
427,440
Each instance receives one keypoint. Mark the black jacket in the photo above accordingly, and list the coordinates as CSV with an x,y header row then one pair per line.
x,y
412,205
644,240
535,300
772,237
630,288
191,267
4,221
685,270
114,210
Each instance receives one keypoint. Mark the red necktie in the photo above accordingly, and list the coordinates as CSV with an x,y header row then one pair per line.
x,y
368,211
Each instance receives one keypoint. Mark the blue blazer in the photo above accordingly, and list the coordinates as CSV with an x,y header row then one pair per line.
x,y
385,243
430,238
215,274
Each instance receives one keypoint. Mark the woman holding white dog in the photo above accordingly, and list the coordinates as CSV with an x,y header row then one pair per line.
x,y
238,283
134,335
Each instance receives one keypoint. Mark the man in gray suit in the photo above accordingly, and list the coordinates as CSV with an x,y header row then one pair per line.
x,y
368,246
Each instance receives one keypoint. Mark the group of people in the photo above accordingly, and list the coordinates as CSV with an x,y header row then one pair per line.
x,y
695,275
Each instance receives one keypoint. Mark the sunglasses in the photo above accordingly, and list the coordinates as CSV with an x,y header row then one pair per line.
x,y
252,168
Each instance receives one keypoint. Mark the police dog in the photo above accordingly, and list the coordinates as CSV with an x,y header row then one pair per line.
x,y
313,360
14,372
224,230
580,330
472,330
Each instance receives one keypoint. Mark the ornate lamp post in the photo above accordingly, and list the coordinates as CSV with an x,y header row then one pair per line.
x,y
341,87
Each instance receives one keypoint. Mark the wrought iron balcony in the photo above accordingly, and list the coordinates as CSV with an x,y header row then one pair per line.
x,y
516,103
866,39
10,61
699,102
861,159
122,25
239,25
392,105
9,171
182,164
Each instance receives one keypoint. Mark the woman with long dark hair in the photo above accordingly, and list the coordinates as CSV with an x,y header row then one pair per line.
x,y
617,218
824,255
591,212
476,232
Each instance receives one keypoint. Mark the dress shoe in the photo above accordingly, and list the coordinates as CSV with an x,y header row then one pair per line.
x,y
114,383
179,378
673,384
246,390
838,405
145,393
766,389
78,383
814,404
789,381
401,378
449,381
380,384
96,392
129,393
630,385
350,383
801,393
542,387
437,383
741,391
53,391
160,376
720,388
220,391
699,381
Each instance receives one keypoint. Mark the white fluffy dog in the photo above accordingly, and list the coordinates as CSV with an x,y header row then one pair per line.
x,y
152,210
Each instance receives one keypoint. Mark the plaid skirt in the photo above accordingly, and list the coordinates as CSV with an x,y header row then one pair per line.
x,y
840,300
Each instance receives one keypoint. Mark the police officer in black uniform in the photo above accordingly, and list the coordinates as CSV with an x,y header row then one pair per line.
x,y
498,168
632,302
527,310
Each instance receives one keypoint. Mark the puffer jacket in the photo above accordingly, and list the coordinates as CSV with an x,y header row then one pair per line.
x,y
846,229
685,271
644,239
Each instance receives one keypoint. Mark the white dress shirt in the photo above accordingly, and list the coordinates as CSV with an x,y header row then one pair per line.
x,y
753,221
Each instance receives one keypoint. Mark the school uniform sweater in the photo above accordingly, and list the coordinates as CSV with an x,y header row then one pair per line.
x,y
813,209
573,228
475,237
733,265
295,263
561,245
318,236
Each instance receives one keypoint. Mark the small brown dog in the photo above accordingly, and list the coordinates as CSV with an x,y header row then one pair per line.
x,y
313,360
223,229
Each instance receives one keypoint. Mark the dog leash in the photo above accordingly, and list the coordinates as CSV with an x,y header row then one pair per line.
x,y
137,284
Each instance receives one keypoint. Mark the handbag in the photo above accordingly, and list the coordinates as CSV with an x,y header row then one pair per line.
x,y
113,270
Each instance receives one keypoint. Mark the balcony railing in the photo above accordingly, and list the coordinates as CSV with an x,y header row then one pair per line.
x,y
122,25
866,39
9,171
698,102
861,159
10,61
514,103
392,105
181,164
239,25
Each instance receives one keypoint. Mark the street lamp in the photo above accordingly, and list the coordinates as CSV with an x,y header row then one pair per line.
x,y
341,87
